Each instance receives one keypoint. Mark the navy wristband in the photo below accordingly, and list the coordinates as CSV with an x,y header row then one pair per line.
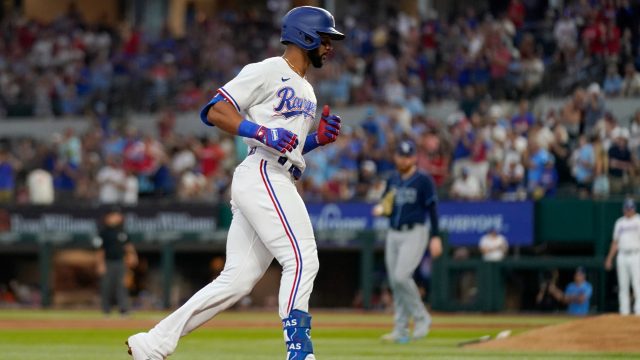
x,y
248,129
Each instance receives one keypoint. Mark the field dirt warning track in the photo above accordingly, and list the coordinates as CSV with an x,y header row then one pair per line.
x,y
606,333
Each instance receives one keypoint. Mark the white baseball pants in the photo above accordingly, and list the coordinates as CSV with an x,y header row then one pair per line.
x,y
628,268
269,220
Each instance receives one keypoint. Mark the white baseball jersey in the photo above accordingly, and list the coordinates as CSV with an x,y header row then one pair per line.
x,y
496,245
271,94
627,232
270,219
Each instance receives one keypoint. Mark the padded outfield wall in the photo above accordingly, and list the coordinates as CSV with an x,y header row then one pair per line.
x,y
185,243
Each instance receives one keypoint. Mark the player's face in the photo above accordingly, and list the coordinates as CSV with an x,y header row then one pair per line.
x,y
629,212
114,219
404,163
318,56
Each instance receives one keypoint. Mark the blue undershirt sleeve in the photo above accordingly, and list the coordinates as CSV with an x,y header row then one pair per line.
x,y
205,109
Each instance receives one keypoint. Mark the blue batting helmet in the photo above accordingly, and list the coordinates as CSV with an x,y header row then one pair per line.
x,y
304,25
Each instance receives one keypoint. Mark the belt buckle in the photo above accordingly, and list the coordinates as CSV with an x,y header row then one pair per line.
x,y
295,171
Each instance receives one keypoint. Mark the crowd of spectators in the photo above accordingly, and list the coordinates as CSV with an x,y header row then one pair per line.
x,y
491,63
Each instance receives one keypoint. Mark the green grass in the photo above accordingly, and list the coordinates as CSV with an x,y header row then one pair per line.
x,y
333,341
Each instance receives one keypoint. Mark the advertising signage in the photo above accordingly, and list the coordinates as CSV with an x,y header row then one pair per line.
x,y
464,222
335,224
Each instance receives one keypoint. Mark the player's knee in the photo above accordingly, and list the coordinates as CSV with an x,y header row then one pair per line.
x,y
239,285
400,279
297,335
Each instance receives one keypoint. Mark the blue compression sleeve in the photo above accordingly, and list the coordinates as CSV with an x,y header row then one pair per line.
x,y
310,143
205,109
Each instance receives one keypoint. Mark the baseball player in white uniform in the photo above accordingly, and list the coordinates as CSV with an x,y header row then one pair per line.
x,y
626,242
269,217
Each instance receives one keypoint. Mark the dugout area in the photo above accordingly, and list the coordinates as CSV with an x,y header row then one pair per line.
x,y
58,270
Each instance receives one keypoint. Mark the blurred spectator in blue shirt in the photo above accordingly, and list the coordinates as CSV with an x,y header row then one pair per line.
x,y
620,162
548,183
70,149
594,109
612,84
369,123
65,175
523,119
584,161
509,183
578,294
7,176
538,159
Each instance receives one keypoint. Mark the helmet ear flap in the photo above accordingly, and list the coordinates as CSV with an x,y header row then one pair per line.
x,y
307,39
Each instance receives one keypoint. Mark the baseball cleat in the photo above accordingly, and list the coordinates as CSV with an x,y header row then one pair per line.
x,y
136,347
394,338
421,330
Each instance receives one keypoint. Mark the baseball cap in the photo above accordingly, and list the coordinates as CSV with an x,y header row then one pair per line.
x,y
111,209
580,269
406,148
629,204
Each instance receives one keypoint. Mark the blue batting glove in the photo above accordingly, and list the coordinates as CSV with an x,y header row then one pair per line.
x,y
280,139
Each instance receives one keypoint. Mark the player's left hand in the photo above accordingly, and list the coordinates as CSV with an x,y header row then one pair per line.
x,y
329,127
435,247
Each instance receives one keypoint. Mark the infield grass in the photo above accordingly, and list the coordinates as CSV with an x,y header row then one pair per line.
x,y
70,335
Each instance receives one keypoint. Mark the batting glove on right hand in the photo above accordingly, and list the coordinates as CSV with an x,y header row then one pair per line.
x,y
280,139
329,127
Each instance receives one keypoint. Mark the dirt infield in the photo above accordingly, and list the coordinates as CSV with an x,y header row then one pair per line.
x,y
606,333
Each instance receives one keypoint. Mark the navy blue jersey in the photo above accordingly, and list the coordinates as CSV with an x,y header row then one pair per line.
x,y
414,197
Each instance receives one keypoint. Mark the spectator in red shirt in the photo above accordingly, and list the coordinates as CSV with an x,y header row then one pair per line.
x,y
517,13
433,159
166,123
593,36
210,156
190,97
612,39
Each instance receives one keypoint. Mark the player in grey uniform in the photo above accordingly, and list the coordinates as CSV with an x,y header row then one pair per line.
x,y
414,195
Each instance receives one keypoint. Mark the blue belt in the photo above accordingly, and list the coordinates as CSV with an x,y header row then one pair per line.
x,y
282,160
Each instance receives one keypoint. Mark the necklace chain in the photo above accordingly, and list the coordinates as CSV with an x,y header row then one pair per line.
x,y
292,67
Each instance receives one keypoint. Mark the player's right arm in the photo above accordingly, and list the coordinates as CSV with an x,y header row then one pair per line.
x,y
239,94
101,267
223,115
608,263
